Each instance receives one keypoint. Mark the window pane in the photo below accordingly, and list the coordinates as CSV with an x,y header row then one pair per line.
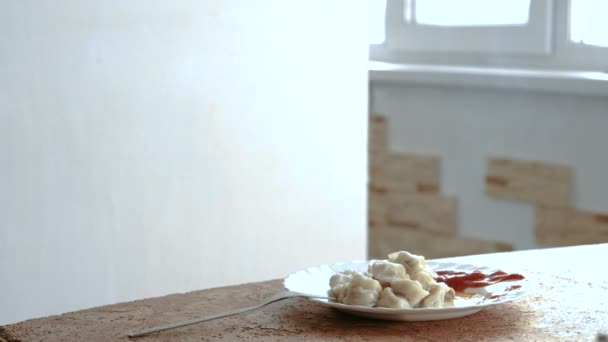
x,y
470,12
588,23
376,11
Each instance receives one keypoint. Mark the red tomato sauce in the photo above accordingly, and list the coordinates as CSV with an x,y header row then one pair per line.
x,y
460,281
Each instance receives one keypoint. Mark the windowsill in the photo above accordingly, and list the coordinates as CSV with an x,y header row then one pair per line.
x,y
552,81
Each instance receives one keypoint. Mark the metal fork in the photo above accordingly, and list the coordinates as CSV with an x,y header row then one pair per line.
x,y
277,297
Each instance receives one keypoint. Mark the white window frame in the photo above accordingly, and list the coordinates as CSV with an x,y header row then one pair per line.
x,y
570,54
531,38
477,46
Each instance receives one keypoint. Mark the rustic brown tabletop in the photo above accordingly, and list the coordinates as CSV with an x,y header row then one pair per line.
x,y
571,305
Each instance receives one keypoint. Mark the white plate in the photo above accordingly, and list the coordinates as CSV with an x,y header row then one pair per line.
x,y
315,280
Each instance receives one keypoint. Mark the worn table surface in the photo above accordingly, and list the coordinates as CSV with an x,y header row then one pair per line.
x,y
572,305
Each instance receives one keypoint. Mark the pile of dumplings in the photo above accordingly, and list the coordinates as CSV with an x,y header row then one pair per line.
x,y
400,282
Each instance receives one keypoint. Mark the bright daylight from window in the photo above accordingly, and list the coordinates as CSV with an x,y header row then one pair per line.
x,y
375,15
467,12
587,17
588,23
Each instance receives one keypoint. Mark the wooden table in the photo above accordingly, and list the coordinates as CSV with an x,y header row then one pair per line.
x,y
572,305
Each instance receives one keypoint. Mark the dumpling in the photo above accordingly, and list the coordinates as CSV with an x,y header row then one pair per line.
x,y
362,291
338,282
424,278
413,263
386,272
411,290
340,279
388,299
352,273
440,295
403,281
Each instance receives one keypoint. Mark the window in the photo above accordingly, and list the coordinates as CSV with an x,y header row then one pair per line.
x,y
487,26
567,34
467,12
376,10
588,23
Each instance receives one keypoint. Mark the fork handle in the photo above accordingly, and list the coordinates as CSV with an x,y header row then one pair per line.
x,y
277,297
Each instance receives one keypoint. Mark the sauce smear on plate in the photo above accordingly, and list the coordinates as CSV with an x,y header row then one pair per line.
x,y
460,281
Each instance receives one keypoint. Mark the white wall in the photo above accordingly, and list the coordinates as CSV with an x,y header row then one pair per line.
x,y
466,126
150,147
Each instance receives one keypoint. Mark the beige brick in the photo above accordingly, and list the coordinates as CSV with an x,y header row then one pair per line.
x,y
377,209
423,211
555,226
402,188
377,125
385,240
378,146
530,181
377,153
376,158
422,171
